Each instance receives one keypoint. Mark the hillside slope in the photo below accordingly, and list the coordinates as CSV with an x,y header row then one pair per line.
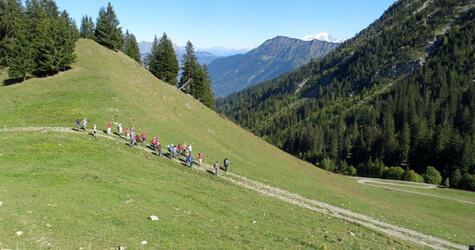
x,y
108,86
399,93
274,57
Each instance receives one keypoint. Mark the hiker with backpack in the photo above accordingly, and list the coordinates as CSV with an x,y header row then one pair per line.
x,y
200,158
78,124
217,168
94,130
144,137
189,160
84,124
227,163
119,128
109,128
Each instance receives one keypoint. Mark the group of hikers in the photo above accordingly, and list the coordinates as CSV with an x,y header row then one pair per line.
x,y
174,151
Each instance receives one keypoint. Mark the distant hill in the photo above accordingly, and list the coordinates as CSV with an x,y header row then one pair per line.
x,y
204,56
274,57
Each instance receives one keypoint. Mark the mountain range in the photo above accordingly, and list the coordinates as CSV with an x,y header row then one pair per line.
x,y
204,56
274,57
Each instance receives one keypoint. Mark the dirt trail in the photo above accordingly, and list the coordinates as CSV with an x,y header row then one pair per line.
x,y
293,198
376,183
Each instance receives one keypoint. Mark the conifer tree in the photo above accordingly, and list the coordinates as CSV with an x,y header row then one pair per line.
x,y
108,32
165,64
190,68
131,47
87,27
12,22
206,97
153,60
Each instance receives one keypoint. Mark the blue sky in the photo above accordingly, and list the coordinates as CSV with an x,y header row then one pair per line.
x,y
235,23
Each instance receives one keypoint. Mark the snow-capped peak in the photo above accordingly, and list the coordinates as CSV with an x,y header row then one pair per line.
x,y
322,36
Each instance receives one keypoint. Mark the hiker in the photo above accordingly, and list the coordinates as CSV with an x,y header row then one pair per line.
x,y
189,160
94,130
144,137
119,127
132,133
154,142
171,150
127,133
84,124
133,141
138,138
189,149
109,128
217,168
200,158
226,164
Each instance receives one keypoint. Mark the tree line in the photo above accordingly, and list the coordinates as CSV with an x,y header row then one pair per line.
x,y
36,39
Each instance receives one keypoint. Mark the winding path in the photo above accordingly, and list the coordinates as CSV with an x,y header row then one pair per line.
x,y
385,184
293,198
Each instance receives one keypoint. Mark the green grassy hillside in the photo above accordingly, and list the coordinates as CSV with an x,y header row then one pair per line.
x,y
85,180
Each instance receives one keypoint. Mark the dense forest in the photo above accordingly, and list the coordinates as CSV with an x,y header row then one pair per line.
x,y
396,101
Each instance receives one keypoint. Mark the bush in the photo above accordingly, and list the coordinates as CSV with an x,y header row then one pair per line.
x,y
411,175
350,171
432,176
468,182
376,169
394,173
328,164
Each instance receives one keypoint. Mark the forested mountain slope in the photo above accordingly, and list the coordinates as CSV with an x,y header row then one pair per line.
x,y
401,92
274,57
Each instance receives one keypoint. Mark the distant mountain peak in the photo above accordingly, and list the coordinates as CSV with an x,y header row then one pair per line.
x,y
323,36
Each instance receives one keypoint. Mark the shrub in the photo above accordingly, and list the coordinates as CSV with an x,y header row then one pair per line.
x,y
411,175
395,173
432,176
328,164
376,169
468,182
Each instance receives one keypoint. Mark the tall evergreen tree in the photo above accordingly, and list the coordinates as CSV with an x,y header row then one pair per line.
x,y
108,32
206,96
20,58
190,68
11,24
131,47
165,64
87,27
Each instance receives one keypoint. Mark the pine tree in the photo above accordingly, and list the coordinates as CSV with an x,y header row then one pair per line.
x,y
190,67
12,22
87,27
108,32
152,64
20,60
165,64
131,47
207,97
66,40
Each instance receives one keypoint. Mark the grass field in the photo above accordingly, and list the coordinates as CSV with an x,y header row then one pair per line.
x,y
64,191
108,86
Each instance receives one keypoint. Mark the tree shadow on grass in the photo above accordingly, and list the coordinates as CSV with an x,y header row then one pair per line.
x,y
12,81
